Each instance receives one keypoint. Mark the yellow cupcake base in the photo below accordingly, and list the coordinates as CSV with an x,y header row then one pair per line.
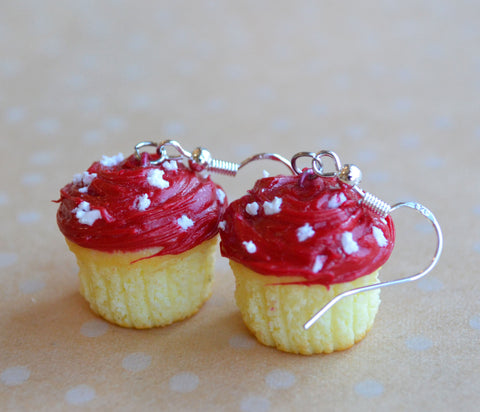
x,y
275,313
151,292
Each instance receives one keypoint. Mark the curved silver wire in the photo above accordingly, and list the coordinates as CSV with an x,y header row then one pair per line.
x,y
317,164
438,251
268,156
297,156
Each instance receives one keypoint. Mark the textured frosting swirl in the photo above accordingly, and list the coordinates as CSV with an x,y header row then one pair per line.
x,y
306,226
129,205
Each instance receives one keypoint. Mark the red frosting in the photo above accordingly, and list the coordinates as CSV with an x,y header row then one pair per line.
x,y
321,232
118,192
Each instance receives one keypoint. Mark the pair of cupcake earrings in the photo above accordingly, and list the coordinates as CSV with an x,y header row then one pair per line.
x,y
305,248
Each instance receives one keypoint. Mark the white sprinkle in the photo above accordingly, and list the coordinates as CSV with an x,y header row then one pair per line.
x,y
319,262
336,200
112,161
155,178
252,208
142,202
266,174
83,189
379,236
170,165
305,232
270,208
185,222
220,195
84,178
348,244
250,246
85,215
222,225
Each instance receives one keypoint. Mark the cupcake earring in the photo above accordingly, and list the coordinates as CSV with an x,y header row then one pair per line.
x,y
144,232
312,240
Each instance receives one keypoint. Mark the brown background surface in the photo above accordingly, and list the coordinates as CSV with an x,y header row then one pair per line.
x,y
391,86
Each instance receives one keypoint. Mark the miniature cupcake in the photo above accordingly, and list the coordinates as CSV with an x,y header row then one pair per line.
x,y
294,243
144,236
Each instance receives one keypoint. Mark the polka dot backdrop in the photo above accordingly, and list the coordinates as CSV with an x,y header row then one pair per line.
x,y
390,86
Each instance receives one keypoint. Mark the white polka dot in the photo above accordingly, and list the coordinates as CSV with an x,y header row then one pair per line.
x,y
379,177
115,124
32,179
369,388
319,109
476,247
366,156
253,403
434,162
76,81
15,114
342,81
281,124
174,129
94,328
41,158
410,141
140,102
356,132
184,382
235,71
92,137
265,93
31,286
28,217
242,341
430,284
10,67
137,41
418,343
3,198
402,105
80,395
136,362
443,122
215,105
280,379
424,227
48,126
15,375
7,259
474,322
91,104
134,72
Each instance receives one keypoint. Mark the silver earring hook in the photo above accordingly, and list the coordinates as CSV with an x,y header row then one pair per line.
x,y
352,175
438,251
201,159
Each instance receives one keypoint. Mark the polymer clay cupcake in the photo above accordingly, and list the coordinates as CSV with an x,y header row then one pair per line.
x,y
296,242
144,233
